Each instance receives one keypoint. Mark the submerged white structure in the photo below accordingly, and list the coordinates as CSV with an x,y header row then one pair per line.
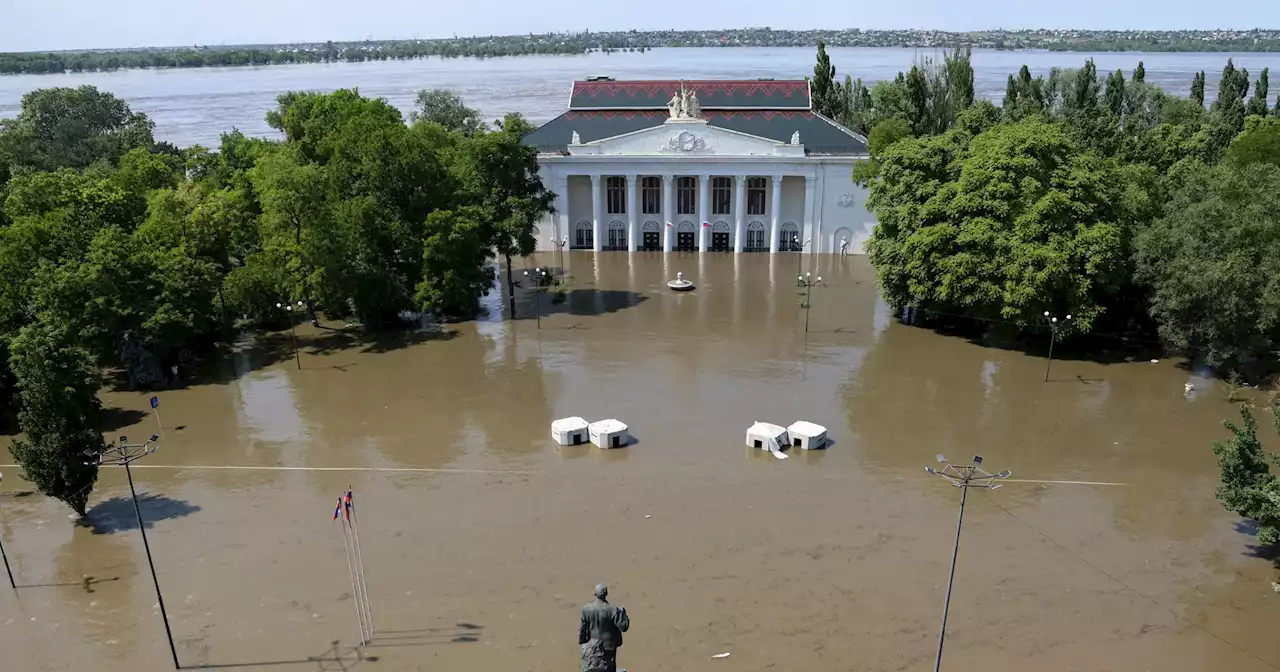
x,y
767,436
569,431
807,435
609,433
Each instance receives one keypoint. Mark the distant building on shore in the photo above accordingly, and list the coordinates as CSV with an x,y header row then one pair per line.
x,y
708,166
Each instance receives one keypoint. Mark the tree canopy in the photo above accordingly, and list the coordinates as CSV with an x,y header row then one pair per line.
x,y
120,253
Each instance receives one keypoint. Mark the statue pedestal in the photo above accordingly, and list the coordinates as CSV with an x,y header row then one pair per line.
x,y
684,121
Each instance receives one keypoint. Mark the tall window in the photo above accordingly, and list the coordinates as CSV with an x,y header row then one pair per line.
x,y
755,195
615,189
721,195
651,195
686,195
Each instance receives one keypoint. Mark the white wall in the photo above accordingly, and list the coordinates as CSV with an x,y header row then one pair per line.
x,y
837,182
580,204
792,203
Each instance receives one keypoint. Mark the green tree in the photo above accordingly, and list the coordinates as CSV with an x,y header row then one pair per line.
x,y
1114,95
454,263
72,128
1258,103
59,385
1259,143
1248,488
446,108
1197,88
822,87
1139,74
1015,222
1210,265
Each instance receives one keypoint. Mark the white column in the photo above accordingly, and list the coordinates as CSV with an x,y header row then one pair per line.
x,y
704,210
633,185
597,243
560,228
776,204
807,229
668,211
739,209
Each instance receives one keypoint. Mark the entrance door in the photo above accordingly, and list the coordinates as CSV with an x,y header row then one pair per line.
x,y
684,241
719,242
652,241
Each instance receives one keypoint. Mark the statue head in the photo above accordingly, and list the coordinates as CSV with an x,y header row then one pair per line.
x,y
602,591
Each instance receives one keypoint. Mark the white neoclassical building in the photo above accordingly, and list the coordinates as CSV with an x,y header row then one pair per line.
x,y
709,166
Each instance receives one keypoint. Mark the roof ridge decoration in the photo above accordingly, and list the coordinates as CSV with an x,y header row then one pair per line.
x,y
711,94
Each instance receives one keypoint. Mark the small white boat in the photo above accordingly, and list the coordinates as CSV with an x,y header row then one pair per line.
x,y
680,284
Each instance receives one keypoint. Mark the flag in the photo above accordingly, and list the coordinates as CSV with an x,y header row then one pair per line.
x,y
337,508
346,502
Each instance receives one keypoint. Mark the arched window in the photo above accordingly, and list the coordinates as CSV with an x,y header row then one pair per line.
x,y
582,236
789,238
617,236
755,237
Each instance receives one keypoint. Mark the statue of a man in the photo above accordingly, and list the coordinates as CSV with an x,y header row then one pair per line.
x,y
600,632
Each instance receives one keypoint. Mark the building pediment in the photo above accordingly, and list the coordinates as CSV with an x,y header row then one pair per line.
x,y
680,137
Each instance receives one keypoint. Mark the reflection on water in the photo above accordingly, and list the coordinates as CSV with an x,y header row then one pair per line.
x,y
845,549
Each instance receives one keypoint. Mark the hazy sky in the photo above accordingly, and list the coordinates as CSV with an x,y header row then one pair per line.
x,y
76,24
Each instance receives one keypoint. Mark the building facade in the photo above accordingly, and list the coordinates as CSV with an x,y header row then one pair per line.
x,y
707,166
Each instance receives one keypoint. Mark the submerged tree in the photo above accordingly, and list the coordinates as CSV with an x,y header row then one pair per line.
x,y
59,388
446,108
1248,487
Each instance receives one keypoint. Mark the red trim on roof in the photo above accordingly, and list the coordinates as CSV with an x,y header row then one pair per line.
x,y
709,114
614,114
652,88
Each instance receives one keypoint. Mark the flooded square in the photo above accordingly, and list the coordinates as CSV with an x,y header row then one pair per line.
x,y
1106,550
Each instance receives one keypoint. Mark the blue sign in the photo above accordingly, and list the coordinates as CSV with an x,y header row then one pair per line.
x,y
155,402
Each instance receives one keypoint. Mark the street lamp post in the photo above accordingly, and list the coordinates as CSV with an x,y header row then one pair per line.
x,y
560,245
1054,324
808,284
8,571
799,249
288,307
963,477
123,453
538,277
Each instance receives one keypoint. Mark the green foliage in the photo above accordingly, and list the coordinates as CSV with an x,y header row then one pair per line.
x,y
822,87
1248,487
454,262
1007,224
1197,88
446,108
59,385
73,128
1258,103
1211,264
1259,143
1139,74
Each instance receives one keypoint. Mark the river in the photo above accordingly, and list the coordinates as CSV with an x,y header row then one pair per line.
x,y
197,105
1105,551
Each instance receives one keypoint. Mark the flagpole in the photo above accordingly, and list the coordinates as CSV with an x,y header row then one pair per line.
x,y
360,561
351,574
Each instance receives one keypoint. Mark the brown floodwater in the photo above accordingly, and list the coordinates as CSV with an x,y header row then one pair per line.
x,y
481,538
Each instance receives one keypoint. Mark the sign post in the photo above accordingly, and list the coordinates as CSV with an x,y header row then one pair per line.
x,y
155,408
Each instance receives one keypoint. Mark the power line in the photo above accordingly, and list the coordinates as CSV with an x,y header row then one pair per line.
x,y
1135,591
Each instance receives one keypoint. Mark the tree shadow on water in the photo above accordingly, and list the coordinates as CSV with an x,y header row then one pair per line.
x,y
116,514
112,419
580,302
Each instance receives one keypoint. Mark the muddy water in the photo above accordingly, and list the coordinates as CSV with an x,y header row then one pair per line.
x,y
481,538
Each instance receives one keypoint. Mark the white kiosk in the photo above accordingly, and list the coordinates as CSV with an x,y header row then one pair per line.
x,y
569,431
767,436
608,433
807,435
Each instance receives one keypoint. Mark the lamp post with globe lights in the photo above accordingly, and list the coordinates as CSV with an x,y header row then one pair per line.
x,y
963,477
808,283
539,278
1054,325
288,308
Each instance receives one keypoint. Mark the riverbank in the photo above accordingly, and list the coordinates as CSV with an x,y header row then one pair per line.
x,y
108,60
